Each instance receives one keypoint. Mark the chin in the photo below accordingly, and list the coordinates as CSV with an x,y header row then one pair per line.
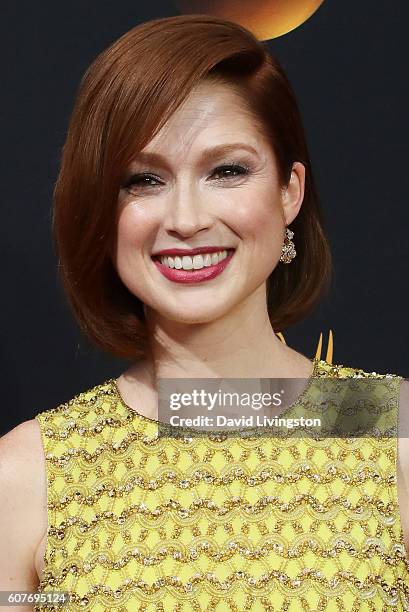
x,y
191,315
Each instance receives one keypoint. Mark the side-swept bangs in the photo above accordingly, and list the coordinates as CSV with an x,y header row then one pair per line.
x,y
125,97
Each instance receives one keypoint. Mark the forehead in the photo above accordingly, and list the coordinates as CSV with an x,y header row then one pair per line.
x,y
212,114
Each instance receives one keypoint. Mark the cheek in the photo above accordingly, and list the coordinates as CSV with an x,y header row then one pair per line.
x,y
133,231
134,225
257,219
256,213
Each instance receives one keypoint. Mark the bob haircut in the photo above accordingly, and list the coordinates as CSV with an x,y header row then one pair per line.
x,y
124,98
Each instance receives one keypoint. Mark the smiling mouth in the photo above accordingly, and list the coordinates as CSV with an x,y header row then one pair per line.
x,y
193,262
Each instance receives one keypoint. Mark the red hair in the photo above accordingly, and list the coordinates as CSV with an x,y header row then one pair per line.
x,y
125,97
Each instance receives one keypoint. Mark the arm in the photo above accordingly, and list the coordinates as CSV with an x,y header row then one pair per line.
x,y
23,509
403,461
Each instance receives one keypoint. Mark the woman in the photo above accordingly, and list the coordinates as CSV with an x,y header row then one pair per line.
x,y
184,166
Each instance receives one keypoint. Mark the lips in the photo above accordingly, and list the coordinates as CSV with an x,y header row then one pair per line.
x,y
193,276
191,252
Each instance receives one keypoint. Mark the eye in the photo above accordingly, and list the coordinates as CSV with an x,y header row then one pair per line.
x,y
140,180
147,180
230,171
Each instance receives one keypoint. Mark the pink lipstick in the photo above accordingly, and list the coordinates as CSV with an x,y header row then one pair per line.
x,y
193,276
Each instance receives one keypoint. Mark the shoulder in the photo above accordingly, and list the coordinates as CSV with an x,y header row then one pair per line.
x,y
388,389
404,430
404,395
400,388
86,406
23,500
340,370
21,451
88,418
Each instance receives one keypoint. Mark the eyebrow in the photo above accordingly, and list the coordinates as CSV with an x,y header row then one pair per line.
x,y
209,153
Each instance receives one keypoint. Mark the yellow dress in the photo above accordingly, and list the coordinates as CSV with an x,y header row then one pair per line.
x,y
146,523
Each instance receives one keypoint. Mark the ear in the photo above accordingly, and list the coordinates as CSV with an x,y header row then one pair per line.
x,y
293,193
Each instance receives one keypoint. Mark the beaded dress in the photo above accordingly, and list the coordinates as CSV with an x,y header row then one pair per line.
x,y
147,523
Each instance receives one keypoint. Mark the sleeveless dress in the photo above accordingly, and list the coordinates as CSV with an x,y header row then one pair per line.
x,y
146,523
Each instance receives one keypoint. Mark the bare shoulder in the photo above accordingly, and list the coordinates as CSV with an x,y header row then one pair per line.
x,y
404,428
403,461
23,500
404,394
27,432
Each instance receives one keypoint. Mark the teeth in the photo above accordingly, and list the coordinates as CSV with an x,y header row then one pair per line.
x,y
197,262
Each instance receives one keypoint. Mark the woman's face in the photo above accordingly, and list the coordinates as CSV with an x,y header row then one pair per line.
x,y
208,179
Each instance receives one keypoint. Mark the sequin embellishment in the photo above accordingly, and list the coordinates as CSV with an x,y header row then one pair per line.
x,y
143,523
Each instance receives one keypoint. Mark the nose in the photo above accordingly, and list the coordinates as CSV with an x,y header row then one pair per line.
x,y
187,212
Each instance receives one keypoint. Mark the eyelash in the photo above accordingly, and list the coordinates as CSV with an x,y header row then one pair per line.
x,y
242,169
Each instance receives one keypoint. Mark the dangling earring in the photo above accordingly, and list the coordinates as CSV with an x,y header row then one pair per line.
x,y
288,251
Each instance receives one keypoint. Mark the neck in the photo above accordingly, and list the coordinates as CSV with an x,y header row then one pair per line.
x,y
242,344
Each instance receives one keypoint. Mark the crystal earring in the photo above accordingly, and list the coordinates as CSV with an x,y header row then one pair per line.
x,y
288,251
